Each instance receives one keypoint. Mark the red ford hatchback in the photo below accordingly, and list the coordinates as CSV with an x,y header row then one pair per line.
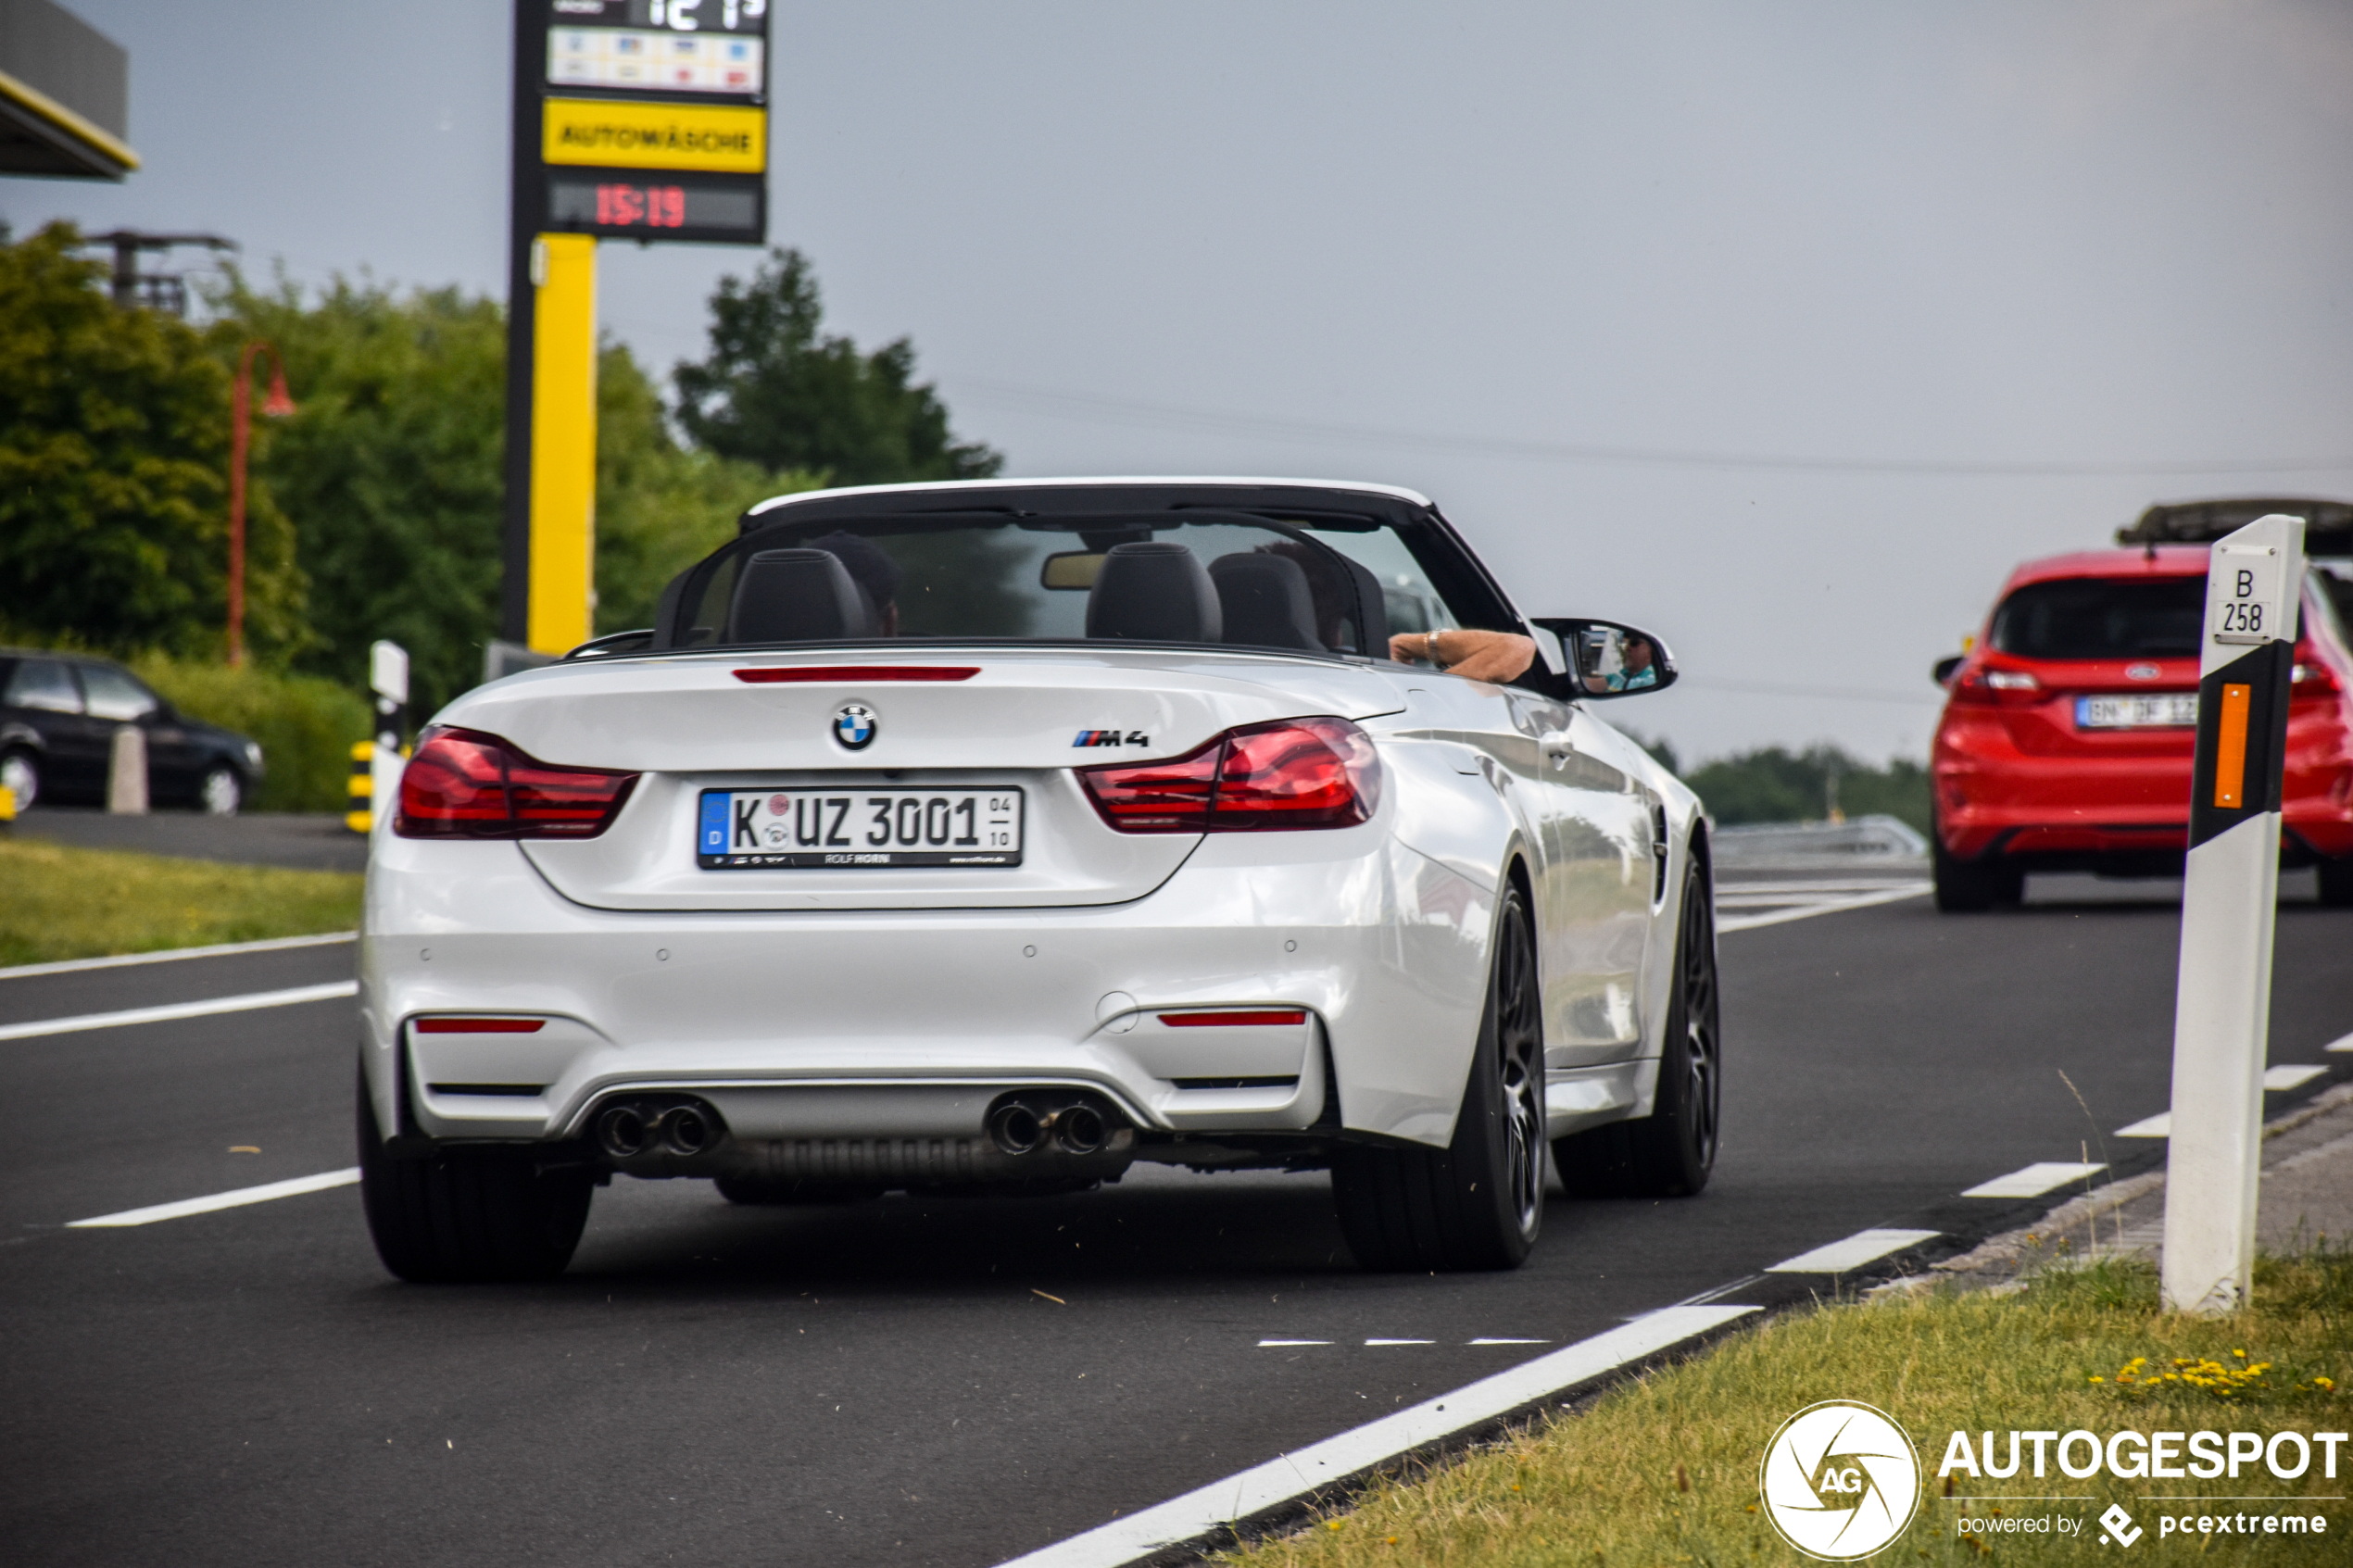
x,y
2064,743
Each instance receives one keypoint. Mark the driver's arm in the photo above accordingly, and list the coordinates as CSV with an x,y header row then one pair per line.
x,y
1472,654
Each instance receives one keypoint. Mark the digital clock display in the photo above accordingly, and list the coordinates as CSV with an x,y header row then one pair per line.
x,y
725,208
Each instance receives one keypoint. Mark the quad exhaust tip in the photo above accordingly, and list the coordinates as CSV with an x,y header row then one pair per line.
x,y
1018,1127
625,1131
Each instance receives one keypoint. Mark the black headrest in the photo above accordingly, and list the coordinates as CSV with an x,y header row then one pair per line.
x,y
798,595
1372,638
1156,592
1265,600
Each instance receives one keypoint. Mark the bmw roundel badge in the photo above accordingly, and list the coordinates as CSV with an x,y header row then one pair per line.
x,y
854,725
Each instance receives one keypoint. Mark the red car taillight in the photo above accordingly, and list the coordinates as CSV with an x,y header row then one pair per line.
x,y
2311,676
462,784
1294,774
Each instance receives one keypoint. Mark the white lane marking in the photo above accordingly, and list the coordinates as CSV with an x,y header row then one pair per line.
x,y
1401,1341
275,944
241,1197
2345,1044
1828,907
2033,1181
2290,1077
1862,1248
1510,1342
2158,1126
1285,1344
246,1003
1294,1474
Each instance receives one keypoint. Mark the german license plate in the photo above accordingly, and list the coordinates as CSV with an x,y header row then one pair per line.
x,y
857,829
2158,711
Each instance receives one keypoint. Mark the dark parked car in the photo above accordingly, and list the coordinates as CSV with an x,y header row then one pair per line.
x,y
58,713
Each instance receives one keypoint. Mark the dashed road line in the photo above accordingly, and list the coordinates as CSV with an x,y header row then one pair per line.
x,y
221,949
1843,1257
1288,1343
2034,1180
2158,1126
2345,1044
250,1000
1401,1341
236,1199
1489,1341
1209,1509
2293,1077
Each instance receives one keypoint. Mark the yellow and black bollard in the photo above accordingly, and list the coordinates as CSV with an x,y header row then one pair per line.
x,y
363,788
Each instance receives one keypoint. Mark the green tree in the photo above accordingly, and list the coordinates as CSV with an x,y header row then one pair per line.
x,y
390,470
661,506
1775,785
114,456
777,392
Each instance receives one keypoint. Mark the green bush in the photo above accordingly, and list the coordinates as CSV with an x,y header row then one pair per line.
x,y
306,725
1774,784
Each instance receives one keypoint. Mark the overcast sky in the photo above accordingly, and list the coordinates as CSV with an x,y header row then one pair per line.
x,y
1781,329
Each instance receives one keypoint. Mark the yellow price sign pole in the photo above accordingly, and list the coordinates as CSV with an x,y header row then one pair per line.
x,y
635,119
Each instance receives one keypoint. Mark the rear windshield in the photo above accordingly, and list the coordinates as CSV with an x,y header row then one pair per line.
x,y
1239,579
2101,618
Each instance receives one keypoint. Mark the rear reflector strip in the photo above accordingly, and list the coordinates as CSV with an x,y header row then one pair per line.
x,y
480,1026
1235,1082
504,1091
1231,1020
795,675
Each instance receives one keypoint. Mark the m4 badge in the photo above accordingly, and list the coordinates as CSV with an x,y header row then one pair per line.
x,y
1112,738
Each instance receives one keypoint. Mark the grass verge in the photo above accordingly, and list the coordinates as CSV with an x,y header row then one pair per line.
x,y
1663,1469
62,903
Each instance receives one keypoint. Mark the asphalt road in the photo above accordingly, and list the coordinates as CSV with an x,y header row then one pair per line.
x,y
884,1382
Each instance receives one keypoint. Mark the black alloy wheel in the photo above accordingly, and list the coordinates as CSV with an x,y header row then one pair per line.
x,y
1670,1152
1479,1202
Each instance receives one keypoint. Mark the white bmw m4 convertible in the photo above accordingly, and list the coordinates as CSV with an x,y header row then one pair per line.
x,y
989,837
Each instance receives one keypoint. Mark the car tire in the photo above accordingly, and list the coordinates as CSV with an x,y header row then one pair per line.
x,y
1971,886
21,774
1477,1203
1670,1152
223,793
2336,879
470,1214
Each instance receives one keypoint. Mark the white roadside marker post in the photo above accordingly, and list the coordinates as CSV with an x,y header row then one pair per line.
x,y
388,678
2230,893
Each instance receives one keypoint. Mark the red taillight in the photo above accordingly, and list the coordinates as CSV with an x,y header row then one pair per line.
x,y
2311,677
1253,1019
479,1025
1295,774
462,784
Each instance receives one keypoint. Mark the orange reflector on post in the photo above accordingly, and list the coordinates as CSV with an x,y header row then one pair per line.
x,y
2230,748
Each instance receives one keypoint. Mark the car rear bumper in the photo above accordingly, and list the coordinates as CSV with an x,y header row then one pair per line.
x,y
907,1023
2114,813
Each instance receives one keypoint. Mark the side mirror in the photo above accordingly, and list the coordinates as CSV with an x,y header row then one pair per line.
x,y
1943,668
1606,659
